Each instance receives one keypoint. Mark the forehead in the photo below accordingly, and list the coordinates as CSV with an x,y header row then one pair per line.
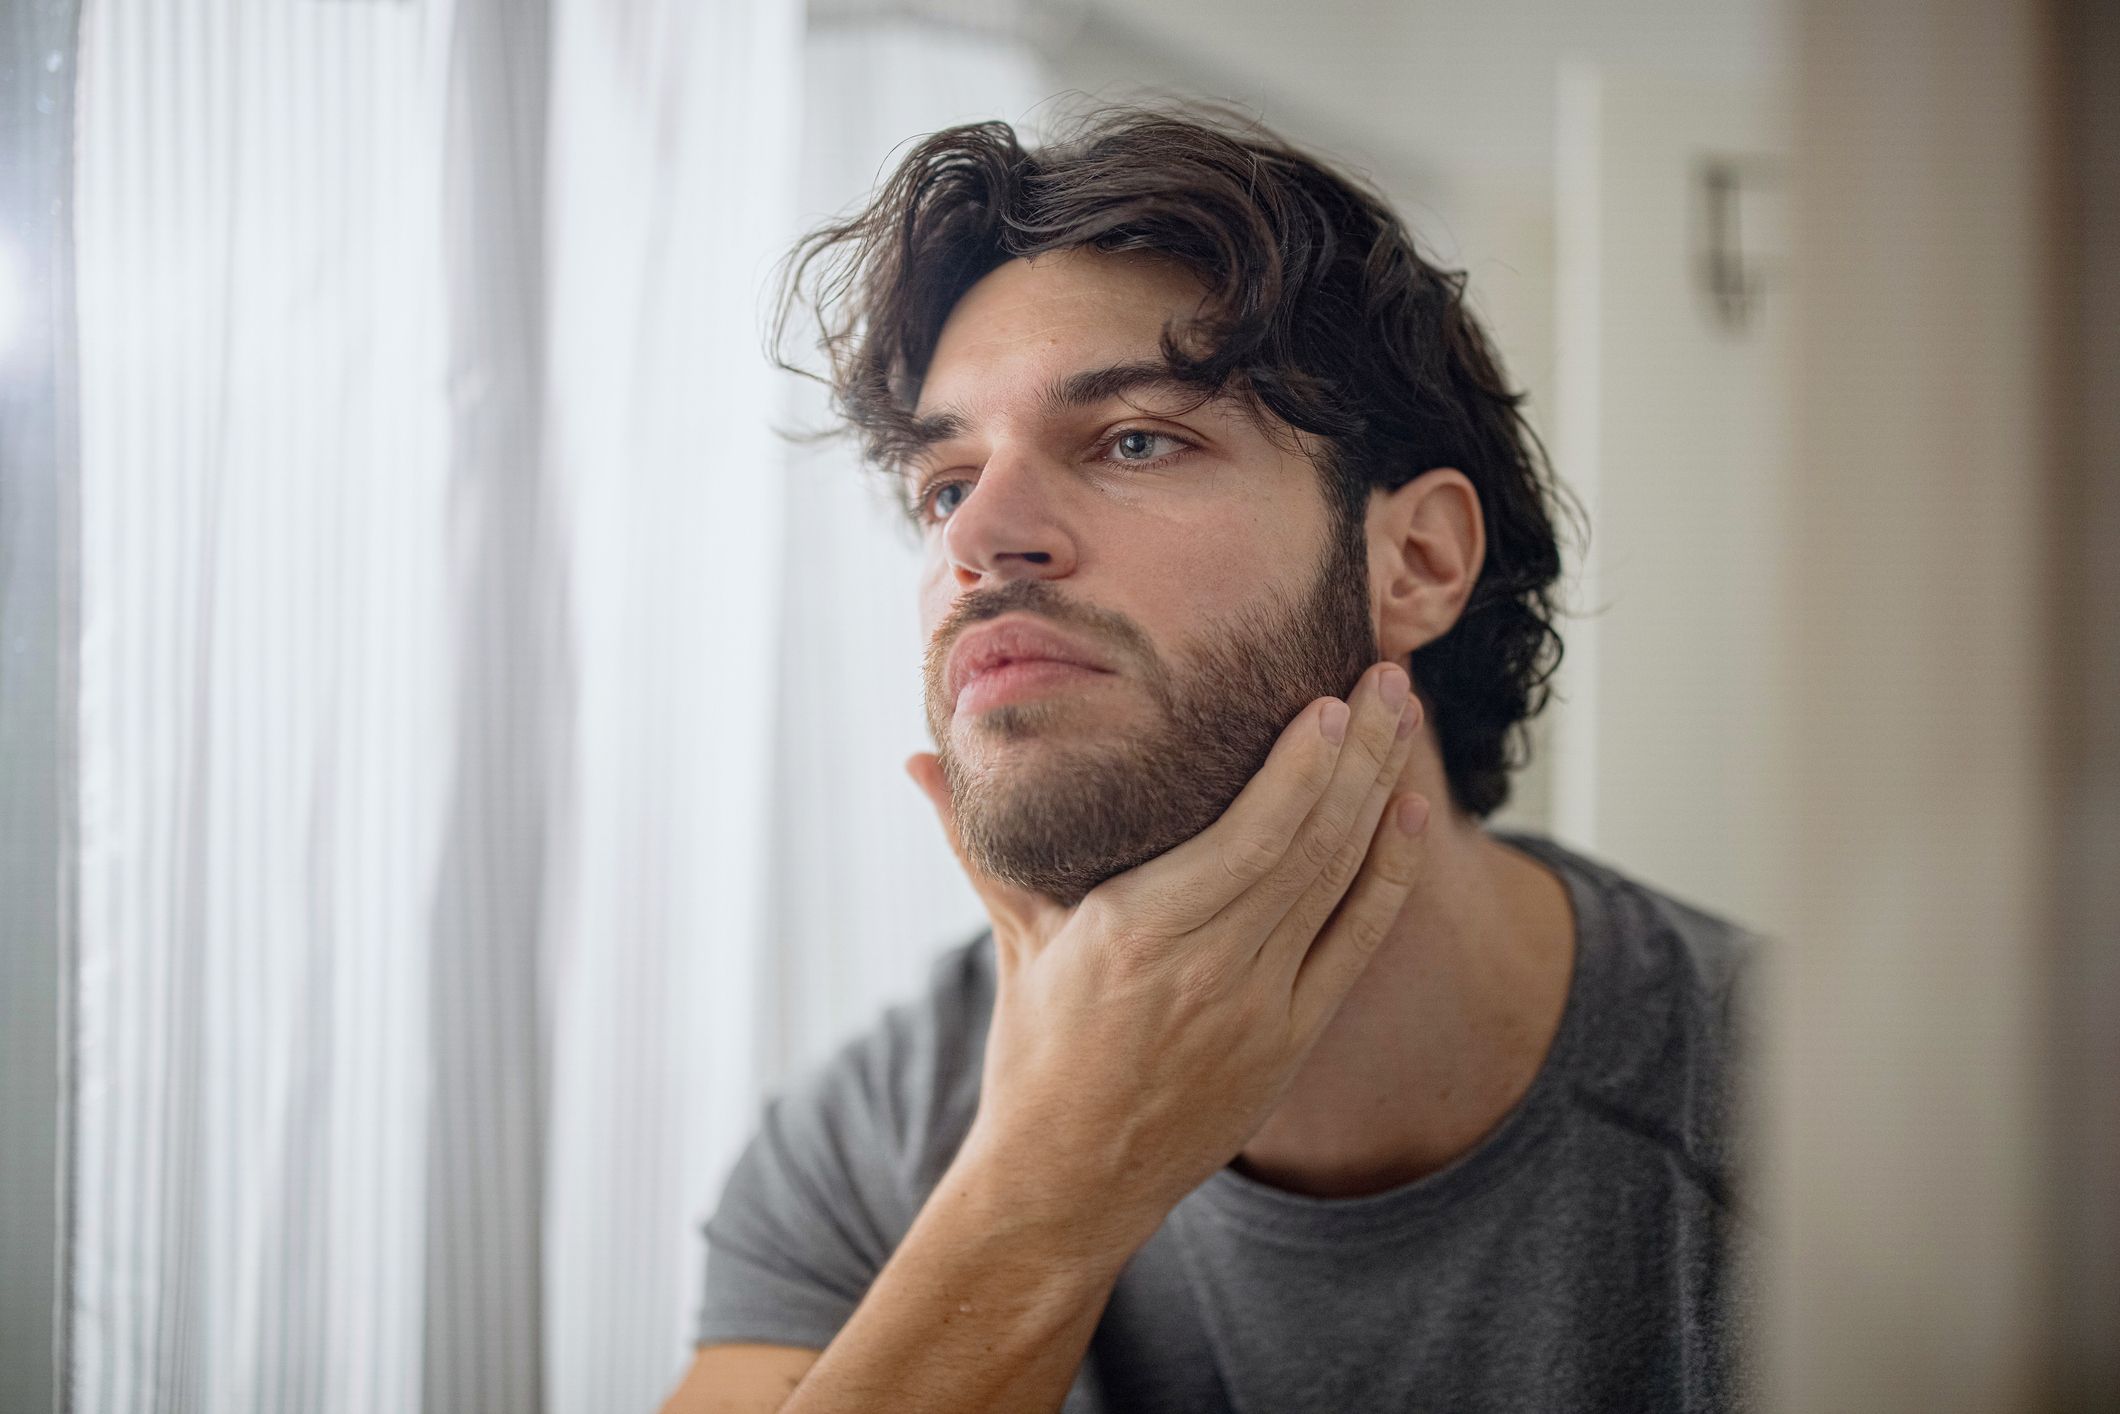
x,y
1049,315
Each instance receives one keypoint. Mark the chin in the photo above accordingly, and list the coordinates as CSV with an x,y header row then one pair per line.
x,y
1059,723
1062,819
1020,721
1017,753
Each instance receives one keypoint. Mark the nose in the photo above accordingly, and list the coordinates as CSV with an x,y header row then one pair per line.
x,y
1011,525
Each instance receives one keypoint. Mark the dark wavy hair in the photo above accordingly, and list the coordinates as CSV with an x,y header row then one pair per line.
x,y
1318,305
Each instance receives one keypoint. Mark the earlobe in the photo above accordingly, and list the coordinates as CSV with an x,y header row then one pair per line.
x,y
1427,541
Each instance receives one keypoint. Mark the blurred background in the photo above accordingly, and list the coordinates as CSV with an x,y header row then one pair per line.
x,y
449,748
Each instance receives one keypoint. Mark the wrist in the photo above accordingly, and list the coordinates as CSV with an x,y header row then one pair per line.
x,y
1068,1220
986,1304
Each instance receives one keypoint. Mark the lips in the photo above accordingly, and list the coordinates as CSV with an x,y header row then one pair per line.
x,y
1011,640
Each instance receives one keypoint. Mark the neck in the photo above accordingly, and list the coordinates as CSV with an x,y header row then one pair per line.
x,y
1444,1032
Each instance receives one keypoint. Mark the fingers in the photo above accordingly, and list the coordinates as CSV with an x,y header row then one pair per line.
x,y
1006,905
1191,883
1344,949
1324,848
1340,832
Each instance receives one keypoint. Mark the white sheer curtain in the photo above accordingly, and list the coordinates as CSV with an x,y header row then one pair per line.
x,y
672,186
431,516
269,673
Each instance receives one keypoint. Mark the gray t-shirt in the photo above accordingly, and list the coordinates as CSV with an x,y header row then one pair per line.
x,y
1585,1256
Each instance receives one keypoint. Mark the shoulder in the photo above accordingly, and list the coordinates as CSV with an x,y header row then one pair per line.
x,y
842,1161
885,1113
1705,960
1642,942
910,1084
1666,992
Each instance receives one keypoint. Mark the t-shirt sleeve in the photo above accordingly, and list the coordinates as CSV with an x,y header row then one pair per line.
x,y
809,1215
840,1165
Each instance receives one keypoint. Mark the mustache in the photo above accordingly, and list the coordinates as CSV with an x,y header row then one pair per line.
x,y
1034,596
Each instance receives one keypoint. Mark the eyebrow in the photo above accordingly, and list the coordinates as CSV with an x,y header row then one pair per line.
x,y
1087,388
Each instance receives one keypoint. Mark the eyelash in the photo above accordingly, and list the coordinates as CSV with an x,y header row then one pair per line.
x,y
924,494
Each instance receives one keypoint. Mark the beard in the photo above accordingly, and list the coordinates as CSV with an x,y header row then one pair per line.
x,y
1064,821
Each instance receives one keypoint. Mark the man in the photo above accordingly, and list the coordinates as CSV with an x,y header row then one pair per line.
x,y
1280,1082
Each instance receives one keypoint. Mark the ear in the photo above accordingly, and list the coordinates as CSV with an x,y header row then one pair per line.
x,y
1427,541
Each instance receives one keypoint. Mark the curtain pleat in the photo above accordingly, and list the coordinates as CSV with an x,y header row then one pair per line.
x,y
265,697
671,176
363,610
485,1138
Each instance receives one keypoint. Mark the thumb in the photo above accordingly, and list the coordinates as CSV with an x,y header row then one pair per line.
x,y
1006,904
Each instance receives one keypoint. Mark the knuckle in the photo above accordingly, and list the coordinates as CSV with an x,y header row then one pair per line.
x,y
1380,741
1182,907
1397,868
1365,930
1322,843
1248,858
1160,911
1341,871
1398,863
1318,768
1195,981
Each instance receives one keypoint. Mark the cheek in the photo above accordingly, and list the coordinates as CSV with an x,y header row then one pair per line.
x,y
937,595
1205,575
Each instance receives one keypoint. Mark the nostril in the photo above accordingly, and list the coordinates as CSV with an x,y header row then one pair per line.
x,y
1038,557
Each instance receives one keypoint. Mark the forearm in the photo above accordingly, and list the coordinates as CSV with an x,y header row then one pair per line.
x,y
988,1303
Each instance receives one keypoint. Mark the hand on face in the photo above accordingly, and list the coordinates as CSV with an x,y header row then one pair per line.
x,y
1141,1037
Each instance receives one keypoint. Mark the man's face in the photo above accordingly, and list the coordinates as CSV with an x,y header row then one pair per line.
x,y
1125,598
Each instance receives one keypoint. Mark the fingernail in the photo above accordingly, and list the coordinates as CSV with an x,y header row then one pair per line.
x,y
1412,814
1394,686
1333,721
1408,715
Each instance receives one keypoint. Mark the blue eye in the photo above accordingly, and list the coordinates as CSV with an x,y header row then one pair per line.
x,y
931,501
1138,445
1130,446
